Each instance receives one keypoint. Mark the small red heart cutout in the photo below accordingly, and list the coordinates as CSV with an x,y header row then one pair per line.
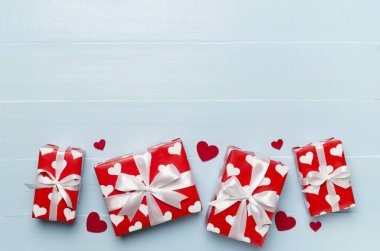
x,y
95,224
284,222
315,226
100,144
206,152
277,144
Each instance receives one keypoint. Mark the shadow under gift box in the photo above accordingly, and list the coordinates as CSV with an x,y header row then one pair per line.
x,y
246,196
143,190
325,177
57,183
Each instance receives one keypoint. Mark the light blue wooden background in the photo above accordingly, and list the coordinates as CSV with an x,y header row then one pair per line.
x,y
237,72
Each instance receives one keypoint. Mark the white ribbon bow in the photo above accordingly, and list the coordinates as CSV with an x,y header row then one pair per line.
x,y
256,205
70,182
162,188
327,174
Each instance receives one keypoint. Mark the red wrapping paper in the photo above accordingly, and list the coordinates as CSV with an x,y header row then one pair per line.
x,y
73,162
308,161
275,177
172,153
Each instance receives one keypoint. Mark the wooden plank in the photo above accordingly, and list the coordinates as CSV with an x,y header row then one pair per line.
x,y
183,20
188,72
129,127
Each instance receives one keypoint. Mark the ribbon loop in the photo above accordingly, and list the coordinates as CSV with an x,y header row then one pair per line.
x,y
71,182
162,188
251,204
326,175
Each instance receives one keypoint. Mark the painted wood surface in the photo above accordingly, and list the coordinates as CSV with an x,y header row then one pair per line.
x,y
137,73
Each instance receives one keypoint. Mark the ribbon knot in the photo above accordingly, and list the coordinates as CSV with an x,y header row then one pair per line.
x,y
161,188
315,179
251,203
45,179
327,175
70,182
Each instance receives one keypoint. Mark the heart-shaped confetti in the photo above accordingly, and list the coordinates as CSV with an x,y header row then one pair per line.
x,y
100,144
206,152
95,224
277,144
284,222
315,226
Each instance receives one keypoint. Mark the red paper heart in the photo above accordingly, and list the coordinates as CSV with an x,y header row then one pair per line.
x,y
205,151
95,224
315,226
100,144
284,222
277,144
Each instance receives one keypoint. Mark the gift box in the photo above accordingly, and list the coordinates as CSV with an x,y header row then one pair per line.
x,y
325,177
143,190
57,183
246,196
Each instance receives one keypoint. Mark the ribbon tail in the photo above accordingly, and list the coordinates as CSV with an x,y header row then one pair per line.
x,y
65,196
170,197
312,189
240,221
132,205
155,214
259,215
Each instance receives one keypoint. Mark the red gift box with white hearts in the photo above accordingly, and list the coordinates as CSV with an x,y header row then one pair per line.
x,y
57,183
143,190
325,177
246,197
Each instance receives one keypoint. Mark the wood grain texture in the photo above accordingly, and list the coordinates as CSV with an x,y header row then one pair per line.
x,y
140,72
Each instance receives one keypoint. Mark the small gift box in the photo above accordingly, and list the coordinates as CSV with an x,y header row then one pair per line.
x,y
57,183
325,177
246,197
143,190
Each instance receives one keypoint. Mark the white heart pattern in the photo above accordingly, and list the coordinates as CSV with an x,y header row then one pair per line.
x,y
143,209
307,159
332,199
196,207
76,154
337,151
135,227
69,214
322,213
115,170
232,170
38,211
168,216
282,170
250,159
162,167
263,230
175,149
210,227
106,190
46,150
64,163
116,219
230,219
247,239
266,181
49,195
